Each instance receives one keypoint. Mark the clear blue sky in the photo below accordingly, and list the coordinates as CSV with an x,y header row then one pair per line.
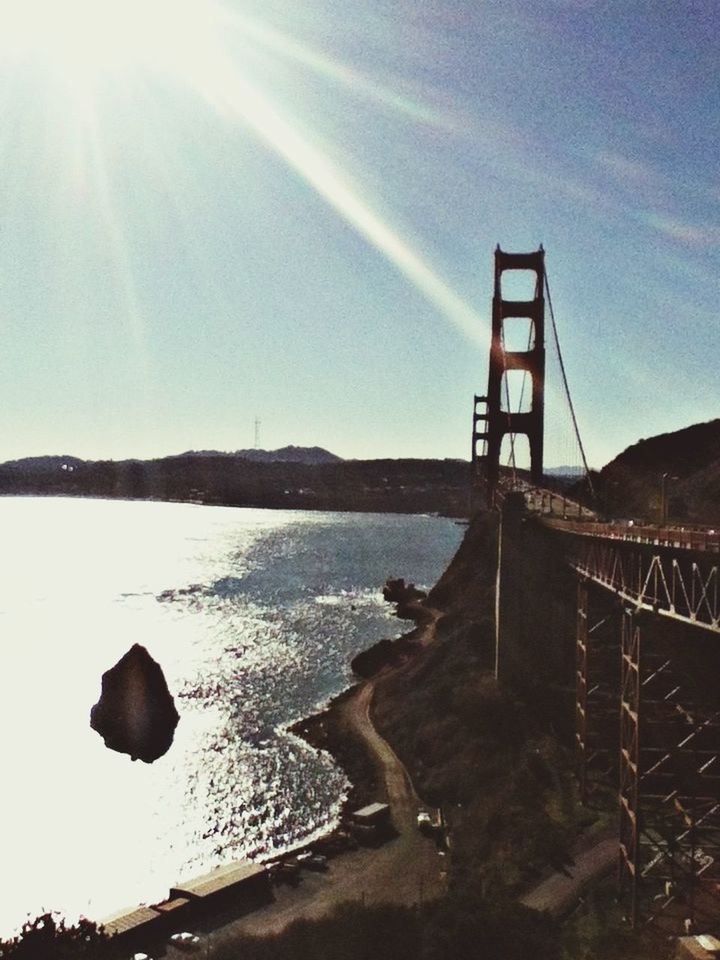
x,y
217,211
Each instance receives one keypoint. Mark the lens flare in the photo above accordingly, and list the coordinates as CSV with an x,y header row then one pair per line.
x,y
209,49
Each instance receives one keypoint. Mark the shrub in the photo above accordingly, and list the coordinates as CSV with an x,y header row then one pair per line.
x,y
49,938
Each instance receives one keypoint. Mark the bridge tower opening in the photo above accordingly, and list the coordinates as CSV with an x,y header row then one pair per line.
x,y
493,418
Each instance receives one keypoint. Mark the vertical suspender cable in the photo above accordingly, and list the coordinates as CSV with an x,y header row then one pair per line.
x,y
511,460
567,389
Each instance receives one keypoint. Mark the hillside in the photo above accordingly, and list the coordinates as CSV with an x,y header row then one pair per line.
x,y
290,454
632,483
401,486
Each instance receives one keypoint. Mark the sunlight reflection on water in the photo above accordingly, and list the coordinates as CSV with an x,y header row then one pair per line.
x,y
254,616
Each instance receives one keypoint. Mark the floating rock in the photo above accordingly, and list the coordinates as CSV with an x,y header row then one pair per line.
x,y
135,713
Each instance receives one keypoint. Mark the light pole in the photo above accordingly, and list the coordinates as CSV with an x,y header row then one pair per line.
x,y
664,495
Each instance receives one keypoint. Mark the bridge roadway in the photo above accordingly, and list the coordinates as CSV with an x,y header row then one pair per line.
x,y
697,538
670,570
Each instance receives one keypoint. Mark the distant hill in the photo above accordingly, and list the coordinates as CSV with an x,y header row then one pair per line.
x,y
294,478
41,465
289,454
564,471
632,483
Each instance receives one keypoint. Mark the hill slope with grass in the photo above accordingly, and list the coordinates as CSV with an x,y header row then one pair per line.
x,y
689,460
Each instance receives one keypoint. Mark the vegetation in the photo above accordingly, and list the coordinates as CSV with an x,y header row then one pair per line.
x,y
458,928
50,938
479,753
689,460
404,486
597,931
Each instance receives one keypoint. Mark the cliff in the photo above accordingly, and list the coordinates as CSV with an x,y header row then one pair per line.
x,y
487,754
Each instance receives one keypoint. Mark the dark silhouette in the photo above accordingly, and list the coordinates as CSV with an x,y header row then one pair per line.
x,y
135,713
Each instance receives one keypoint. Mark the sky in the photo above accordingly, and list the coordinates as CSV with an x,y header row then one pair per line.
x,y
213,212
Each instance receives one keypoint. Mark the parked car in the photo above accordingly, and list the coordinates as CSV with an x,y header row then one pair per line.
x,y
317,862
185,941
286,872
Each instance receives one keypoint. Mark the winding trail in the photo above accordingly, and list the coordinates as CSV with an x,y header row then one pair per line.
x,y
405,870
398,787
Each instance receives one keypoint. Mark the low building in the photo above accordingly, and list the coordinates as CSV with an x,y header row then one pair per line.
x,y
132,929
372,825
240,885
374,815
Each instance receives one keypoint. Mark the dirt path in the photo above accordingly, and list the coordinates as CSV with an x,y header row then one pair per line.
x,y
400,792
406,870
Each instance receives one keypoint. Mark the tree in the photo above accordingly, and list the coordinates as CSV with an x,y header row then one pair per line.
x,y
49,938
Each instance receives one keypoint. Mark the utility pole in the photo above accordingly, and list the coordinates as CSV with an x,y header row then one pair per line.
x,y
257,433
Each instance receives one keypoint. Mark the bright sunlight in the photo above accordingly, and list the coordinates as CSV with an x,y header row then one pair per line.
x,y
90,37
194,44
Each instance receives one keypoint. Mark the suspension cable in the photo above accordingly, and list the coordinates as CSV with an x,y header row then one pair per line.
x,y
511,459
567,388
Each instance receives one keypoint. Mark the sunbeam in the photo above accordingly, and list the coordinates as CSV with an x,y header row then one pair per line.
x,y
233,95
320,173
199,46
286,46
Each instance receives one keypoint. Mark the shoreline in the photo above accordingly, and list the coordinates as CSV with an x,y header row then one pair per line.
x,y
332,730
275,507
327,730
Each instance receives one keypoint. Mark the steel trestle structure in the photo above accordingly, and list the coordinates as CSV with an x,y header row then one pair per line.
x,y
680,582
657,601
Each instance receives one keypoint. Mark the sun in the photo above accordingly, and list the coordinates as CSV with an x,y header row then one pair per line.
x,y
96,55
90,38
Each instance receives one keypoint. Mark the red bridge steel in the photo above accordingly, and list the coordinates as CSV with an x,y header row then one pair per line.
x,y
647,613
672,572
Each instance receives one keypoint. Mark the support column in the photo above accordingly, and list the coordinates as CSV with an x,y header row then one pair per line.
x,y
596,691
630,702
581,686
532,360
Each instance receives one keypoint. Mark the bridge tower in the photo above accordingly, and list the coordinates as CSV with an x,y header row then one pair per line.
x,y
497,419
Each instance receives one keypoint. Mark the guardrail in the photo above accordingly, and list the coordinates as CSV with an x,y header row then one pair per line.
x,y
698,539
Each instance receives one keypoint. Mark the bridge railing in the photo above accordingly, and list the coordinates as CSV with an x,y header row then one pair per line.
x,y
699,539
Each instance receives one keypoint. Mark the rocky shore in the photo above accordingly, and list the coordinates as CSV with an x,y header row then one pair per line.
x,y
333,729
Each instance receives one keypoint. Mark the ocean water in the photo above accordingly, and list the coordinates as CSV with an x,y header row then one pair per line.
x,y
254,616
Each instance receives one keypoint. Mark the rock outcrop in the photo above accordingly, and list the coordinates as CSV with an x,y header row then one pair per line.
x,y
385,653
406,597
397,591
135,713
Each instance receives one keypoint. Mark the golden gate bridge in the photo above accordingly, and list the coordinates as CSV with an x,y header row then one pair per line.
x,y
646,604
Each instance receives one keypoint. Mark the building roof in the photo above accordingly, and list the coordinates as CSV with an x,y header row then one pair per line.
x,y
371,811
167,906
128,920
222,878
